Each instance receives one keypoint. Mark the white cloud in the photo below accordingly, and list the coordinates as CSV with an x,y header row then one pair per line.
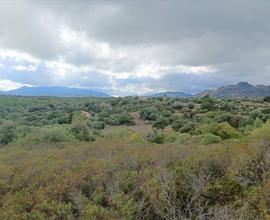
x,y
18,56
6,85
31,68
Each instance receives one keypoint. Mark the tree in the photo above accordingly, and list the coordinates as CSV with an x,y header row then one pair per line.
x,y
207,103
266,99
178,124
160,123
150,113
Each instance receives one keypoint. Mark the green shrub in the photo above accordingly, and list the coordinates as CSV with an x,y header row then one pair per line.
x,y
207,103
256,114
96,125
191,106
120,119
81,132
156,137
223,117
177,106
178,124
226,131
54,135
189,126
150,113
223,191
166,113
211,139
160,123
7,132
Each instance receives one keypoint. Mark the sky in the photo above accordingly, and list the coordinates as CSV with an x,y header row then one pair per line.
x,y
134,47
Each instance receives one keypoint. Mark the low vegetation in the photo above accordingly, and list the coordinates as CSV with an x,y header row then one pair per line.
x,y
138,158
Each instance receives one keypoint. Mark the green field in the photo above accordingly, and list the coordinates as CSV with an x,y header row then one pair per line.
x,y
134,158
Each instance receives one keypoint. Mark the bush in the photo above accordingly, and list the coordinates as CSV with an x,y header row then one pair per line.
x,y
189,126
166,113
96,125
156,137
121,119
81,132
266,99
223,117
207,103
177,106
178,124
223,191
226,131
150,113
210,139
256,114
7,132
54,135
160,123
191,106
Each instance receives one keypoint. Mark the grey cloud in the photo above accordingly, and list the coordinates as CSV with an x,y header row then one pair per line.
x,y
232,36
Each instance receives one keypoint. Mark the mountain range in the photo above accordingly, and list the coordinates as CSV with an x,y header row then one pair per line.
x,y
171,94
54,91
239,90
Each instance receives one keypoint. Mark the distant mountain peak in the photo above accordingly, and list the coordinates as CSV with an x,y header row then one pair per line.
x,y
239,90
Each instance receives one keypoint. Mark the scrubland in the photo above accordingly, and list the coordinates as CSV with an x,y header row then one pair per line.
x,y
134,158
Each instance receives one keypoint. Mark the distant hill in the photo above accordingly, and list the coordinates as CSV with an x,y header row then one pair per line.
x,y
54,91
171,94
240,90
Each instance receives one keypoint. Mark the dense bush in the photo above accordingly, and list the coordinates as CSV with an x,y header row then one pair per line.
x,y
178,124
81,131
160,123
225,131
120,119
210,139
54,135
207,103
156,137
150,113
7,132
188,127
96,125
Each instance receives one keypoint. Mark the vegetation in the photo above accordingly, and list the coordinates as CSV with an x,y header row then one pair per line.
x,y
134,158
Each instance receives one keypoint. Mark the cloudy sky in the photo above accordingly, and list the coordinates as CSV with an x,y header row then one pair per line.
x,y
134,47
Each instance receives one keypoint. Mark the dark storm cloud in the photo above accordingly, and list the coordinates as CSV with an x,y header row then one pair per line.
x,y
140,43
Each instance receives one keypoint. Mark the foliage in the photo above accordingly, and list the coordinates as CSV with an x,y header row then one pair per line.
x,y
81,131
54,135
210,139
207,103
7,132
156,137
160,123
150,113
52,169
225,131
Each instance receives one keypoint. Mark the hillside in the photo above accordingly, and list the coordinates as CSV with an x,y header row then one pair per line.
x,y
172,94
240,90
54,91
